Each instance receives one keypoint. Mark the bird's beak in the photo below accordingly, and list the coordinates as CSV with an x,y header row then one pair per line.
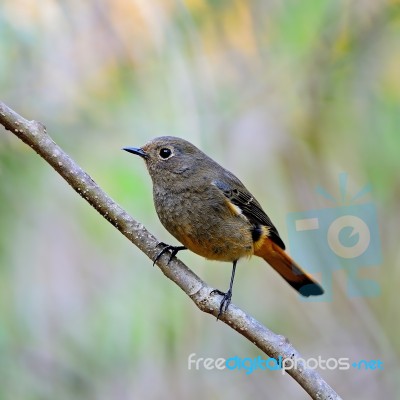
x,y
136,150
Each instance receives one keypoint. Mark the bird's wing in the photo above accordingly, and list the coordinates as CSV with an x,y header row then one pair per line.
x,y
234,190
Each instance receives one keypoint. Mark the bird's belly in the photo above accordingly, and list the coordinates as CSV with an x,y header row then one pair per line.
x,y
211,231
219,249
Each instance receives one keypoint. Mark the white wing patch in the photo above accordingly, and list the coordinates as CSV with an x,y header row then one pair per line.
x,y
236,210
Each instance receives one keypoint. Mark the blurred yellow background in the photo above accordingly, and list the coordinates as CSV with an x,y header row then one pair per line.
x,y
286,94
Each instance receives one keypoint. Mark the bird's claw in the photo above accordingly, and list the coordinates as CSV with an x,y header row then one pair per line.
x,y
167,247
226,300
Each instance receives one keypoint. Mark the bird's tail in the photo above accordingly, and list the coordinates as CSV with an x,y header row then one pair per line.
x,y
288,269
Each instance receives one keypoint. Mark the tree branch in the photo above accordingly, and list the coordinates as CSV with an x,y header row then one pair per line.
x,y
34,134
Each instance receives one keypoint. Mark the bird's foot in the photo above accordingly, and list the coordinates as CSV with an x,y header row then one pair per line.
x,y
167,247
226,300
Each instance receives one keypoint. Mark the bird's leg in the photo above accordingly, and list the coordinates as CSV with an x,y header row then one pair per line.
x,y
167,247
226,299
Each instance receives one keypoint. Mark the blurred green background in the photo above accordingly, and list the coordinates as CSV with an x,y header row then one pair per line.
x,y
287,94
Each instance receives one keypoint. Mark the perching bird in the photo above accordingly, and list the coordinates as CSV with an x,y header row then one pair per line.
x,y
210,211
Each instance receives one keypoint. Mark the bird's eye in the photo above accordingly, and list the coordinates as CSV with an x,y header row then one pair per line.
x,y
165,153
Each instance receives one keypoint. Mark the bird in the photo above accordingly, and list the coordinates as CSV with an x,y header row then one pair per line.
x,y
211,212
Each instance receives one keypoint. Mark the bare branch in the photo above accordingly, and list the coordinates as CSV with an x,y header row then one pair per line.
x,y
34,135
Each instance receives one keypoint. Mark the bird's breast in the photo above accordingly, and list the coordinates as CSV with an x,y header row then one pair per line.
x,y
203,221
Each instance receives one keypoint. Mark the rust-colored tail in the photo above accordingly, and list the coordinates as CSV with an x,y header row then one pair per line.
x,y
288,269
